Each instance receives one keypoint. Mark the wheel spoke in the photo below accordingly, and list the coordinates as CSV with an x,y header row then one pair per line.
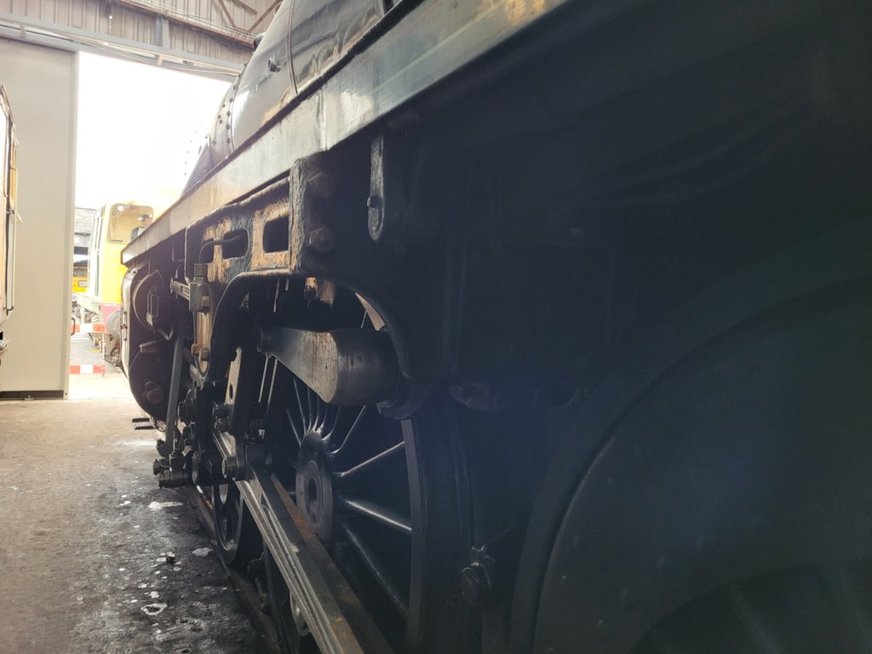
x,y
369,464
313,418
374,565
267,381
334,422
322,411
300,403
355,426
363,501
380,514
330,426
297,434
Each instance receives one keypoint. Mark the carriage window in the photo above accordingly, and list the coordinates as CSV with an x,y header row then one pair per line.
x,y
125,220
95,231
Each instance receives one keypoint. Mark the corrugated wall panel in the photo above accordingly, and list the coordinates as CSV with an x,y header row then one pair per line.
x,y
143,27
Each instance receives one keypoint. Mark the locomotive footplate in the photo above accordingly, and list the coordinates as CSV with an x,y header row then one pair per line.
x,y
332,612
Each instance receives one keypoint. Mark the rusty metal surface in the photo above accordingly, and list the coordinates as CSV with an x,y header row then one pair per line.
x,y
305,38
424,47
346,367
266,85
256,216
324,31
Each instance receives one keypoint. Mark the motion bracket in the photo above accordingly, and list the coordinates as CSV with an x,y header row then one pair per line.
x,y
351,367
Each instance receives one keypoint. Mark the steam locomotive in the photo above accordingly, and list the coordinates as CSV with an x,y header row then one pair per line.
x,y
530,325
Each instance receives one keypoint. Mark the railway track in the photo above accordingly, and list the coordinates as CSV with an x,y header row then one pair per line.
x,y
249,588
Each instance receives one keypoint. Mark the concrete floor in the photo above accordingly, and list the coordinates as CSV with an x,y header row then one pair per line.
x,y
85,532
109,384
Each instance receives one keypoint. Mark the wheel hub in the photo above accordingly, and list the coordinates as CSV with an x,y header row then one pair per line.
x,y
314,486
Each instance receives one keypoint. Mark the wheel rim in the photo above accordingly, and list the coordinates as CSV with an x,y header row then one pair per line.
x,y
235,532
290,638
395,526
226,511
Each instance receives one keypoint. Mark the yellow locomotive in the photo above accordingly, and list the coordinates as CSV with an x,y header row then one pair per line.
x,y
80,279
99,305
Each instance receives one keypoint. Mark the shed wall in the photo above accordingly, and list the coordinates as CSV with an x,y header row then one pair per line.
x,y
42,87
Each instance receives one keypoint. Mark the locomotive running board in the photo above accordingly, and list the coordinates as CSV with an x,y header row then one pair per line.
x,y
333,613
430,41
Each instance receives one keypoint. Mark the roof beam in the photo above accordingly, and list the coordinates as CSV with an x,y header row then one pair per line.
x,y
233,34
19,28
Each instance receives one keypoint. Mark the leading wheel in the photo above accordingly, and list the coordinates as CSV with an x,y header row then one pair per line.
x,y
389,500
235,532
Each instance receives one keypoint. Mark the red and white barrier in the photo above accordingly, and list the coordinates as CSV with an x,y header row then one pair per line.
x,y
87,369
88,328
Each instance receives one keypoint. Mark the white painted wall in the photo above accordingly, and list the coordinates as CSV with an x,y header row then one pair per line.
x,y
42,87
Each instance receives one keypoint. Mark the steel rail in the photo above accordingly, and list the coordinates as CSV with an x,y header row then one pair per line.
x,y
424,47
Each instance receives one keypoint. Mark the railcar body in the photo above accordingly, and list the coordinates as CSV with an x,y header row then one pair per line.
x,y
115,225
8,211
529,325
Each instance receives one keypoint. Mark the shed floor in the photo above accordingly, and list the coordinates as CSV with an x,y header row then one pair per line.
x,y
84,533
